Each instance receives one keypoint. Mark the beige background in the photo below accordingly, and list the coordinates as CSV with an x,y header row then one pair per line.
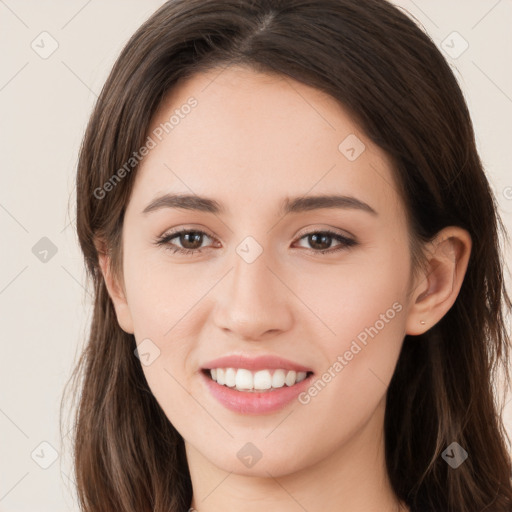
x,y
45,103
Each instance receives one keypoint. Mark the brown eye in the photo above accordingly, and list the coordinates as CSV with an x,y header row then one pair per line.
x,y
187,241
321,241
190,239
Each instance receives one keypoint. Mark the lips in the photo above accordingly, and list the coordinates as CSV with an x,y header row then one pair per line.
x,y
252,401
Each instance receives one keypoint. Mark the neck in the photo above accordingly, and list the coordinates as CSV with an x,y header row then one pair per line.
x,y
351,478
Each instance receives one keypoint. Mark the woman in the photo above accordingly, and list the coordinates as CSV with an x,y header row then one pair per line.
x,y
299,299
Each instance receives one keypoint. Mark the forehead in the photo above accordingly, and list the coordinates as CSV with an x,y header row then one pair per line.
x,y
255,137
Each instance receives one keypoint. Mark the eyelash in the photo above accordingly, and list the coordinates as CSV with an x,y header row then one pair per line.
x,y
165,241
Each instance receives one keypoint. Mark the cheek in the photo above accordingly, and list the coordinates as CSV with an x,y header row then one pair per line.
x,y
349,298
168,308
365,311
161,294
360,358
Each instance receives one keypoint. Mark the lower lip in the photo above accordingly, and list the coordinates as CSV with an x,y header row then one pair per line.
x,y
252,402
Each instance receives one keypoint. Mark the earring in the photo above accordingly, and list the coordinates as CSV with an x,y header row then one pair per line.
x,y
422,322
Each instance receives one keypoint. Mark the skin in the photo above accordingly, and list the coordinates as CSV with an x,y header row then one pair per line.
x,y
252,140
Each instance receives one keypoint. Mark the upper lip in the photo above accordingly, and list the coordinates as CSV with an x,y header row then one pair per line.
x,y
255,363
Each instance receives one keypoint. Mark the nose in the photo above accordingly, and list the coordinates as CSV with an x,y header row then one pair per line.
x,y
253,303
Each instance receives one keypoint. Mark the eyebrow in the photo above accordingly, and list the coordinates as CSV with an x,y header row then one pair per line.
x,y
289,205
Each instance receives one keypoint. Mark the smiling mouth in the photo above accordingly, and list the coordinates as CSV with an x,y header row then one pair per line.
x,y
261,381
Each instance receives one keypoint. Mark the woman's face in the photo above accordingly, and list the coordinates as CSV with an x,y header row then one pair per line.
x,y
261,150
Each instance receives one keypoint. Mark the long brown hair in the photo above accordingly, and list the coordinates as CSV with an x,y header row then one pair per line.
x,y
393,80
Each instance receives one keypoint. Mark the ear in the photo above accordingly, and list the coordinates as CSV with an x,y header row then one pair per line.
x,y
436,289
115,288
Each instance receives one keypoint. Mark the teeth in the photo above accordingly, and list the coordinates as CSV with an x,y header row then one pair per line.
x,y
230,377
291,376
262,380
278,379
301,376
245,380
